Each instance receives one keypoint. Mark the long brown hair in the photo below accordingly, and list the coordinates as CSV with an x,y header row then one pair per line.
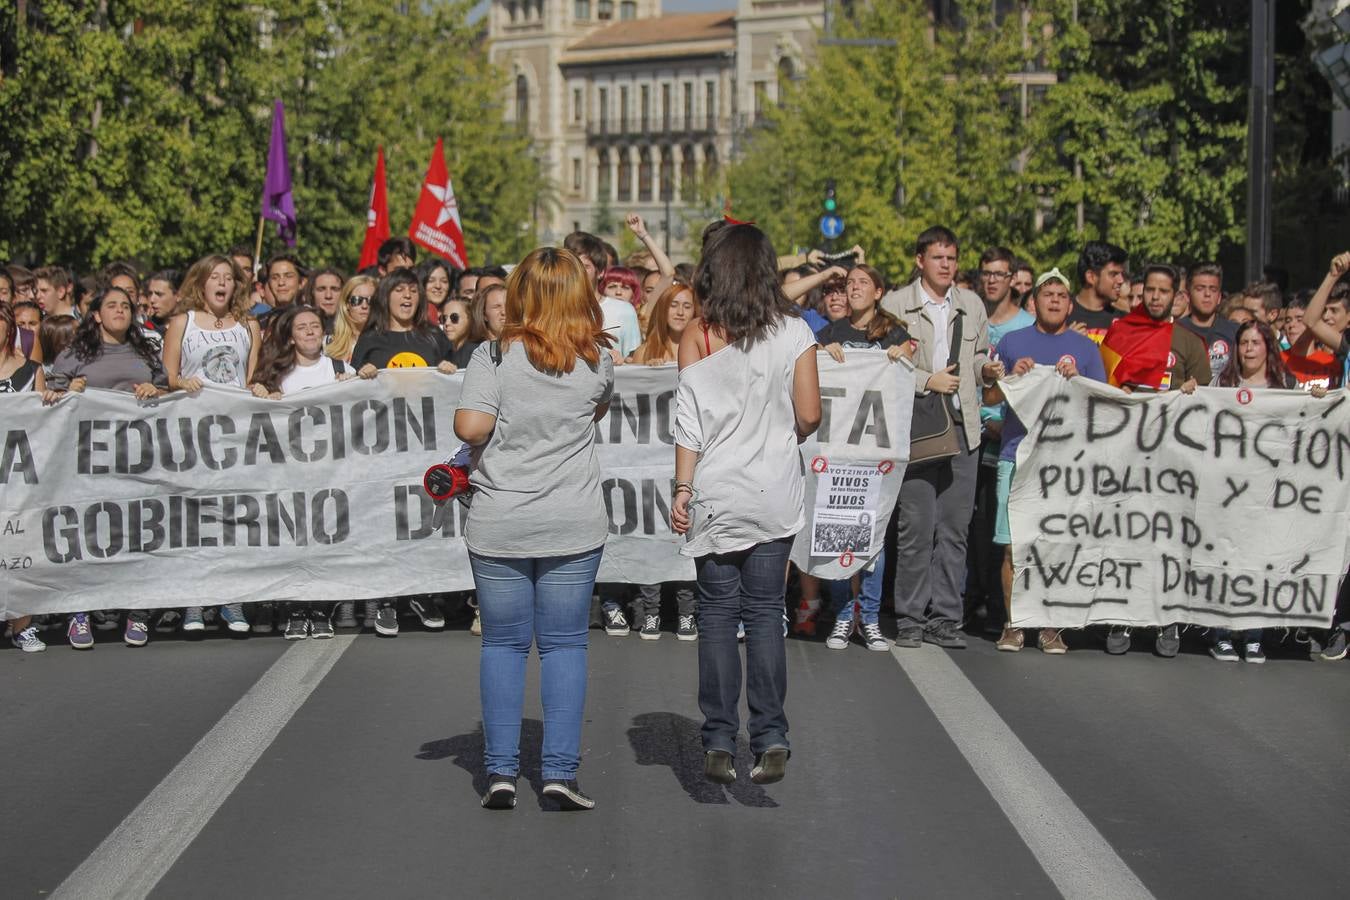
x,y
882,322
657,343
277,356
552,310
1276,374
192,296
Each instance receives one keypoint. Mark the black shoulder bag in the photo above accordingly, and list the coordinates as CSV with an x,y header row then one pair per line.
x,y
932,430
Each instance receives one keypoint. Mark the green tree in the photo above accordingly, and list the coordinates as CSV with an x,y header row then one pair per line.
x,y
139,130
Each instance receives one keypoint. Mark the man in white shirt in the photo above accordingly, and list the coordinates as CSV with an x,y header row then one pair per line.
x,y
621,319
937,497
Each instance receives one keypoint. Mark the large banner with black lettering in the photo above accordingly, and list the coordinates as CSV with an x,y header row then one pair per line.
x,y
1224,508
107,503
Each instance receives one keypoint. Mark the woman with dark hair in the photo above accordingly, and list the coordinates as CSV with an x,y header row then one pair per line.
x,y
322,291
292,360
109,352
399,335
537,526
457,325
748,394
17,374
1255,363
436,277
867,326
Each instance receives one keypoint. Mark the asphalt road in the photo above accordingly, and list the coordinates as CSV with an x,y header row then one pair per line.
x,y
350,768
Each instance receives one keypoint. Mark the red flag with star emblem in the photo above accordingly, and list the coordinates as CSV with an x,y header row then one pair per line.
x,y
377,216
435,224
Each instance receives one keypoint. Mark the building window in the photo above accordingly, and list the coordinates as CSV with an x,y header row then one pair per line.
x,y
627,10
710,105
625,175
604,10
761,99
602,114
688,175
645,100
665,107
644,176
668,174
602,182
581,10
688,104
623,110
787,73
522,101
576,105
515,12
576,175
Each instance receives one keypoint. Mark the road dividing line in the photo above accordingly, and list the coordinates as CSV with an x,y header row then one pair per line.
x,y
137,854
1066,844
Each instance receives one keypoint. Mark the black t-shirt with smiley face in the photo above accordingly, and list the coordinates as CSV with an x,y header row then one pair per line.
x,y
402,349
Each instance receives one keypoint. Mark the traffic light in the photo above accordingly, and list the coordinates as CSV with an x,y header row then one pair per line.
x,y
830,203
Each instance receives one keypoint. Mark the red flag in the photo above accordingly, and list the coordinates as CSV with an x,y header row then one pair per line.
x,y
1136,350
377,216
435,224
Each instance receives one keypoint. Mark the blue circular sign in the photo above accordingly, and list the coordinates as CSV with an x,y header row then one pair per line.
x,y
831,226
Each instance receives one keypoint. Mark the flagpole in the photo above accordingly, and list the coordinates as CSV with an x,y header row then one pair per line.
x,y
257,246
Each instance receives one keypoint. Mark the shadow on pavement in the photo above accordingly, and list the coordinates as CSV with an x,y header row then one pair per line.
x,y
466,751
673,740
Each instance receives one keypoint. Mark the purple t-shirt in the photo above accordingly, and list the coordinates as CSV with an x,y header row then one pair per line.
x,y
1046,350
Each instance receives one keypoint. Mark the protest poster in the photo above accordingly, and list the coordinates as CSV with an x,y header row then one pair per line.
x,y
109,503
1223,508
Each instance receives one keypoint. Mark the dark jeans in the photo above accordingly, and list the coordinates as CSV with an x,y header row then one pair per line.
x,y
984,576
746,586
648,602
935,503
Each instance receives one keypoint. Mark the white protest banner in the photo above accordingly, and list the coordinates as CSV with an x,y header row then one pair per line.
x,y
855,462
107,503
1224,508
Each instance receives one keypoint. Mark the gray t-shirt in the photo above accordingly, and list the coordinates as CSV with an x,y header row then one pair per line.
x,y
537,485
117,368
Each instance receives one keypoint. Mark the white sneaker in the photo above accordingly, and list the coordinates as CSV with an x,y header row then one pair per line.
x,y
28,640
840,633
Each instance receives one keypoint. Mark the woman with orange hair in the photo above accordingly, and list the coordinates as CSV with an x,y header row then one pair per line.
x,y
537,525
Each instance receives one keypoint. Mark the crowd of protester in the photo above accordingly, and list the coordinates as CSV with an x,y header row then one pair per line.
x,y
287,327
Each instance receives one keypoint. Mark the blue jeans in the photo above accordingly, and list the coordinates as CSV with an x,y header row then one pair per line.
x,y
869,593
745,586
525,601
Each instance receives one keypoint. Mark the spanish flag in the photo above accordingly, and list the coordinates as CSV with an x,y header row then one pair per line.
x,y
1135,350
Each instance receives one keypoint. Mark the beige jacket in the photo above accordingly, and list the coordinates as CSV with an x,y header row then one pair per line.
x,y
906,304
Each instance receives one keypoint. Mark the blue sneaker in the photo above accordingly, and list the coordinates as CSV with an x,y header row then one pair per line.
x,y
192,619
232,614
78,633
137,632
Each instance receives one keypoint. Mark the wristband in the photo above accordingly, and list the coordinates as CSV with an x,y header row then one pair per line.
x,y
682,486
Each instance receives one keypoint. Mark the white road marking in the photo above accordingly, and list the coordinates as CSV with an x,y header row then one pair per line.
x,y
139,851
1064,841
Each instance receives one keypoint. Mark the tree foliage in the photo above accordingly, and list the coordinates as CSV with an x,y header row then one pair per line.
x,y
138,129
1142,129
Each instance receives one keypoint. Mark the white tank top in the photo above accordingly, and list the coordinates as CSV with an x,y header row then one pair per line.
x,y
217,356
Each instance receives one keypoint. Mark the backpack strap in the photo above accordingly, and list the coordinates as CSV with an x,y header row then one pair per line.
x,y
495,351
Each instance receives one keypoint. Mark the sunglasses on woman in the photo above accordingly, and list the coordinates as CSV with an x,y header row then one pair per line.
x,y
356,300
452,318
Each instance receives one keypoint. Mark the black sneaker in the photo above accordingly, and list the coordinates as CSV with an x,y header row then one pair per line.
x,y
297,627
771,765
616,623
1168,642
1118,640
386,621
501,792
651,628
1253,653
719,767
1336,646
427,611
909,636
1223,651
688,630
944,635
320,626
568,795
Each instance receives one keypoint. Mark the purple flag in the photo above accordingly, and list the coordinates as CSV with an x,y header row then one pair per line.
x,y
277,202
